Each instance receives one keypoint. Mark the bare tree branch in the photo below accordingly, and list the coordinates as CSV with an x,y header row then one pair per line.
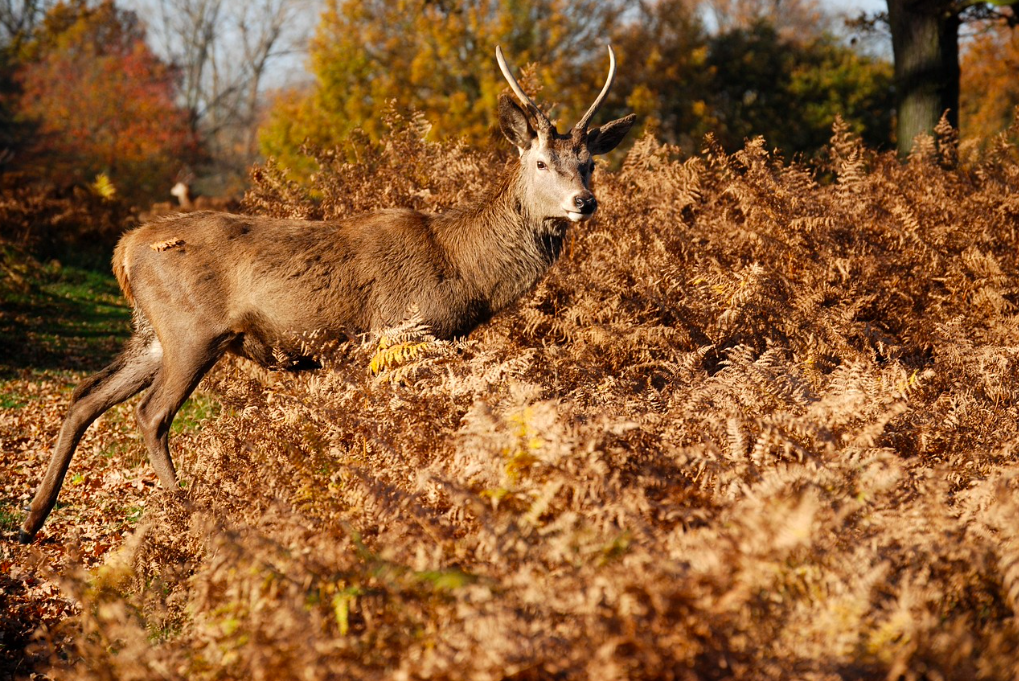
x,y
224,49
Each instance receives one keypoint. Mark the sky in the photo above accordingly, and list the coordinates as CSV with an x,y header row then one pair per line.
x,y
880,45
865,5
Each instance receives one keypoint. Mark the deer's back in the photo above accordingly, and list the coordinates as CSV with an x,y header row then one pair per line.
x,y
271,279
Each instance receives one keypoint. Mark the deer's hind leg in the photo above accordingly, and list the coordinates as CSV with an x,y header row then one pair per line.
x,y
130,373
182,370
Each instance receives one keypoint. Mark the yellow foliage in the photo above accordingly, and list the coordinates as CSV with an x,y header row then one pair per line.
x,y
390,355
103,187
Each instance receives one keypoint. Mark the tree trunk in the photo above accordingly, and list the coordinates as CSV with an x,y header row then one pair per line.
x,y
925,41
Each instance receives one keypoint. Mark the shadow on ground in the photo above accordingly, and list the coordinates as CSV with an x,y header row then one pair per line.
x,y
66,319
56,322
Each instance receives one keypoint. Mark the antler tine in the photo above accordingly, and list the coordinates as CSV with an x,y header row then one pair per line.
x,y
540,117
582,123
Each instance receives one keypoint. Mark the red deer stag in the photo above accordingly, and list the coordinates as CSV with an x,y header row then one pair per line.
x,y
202,284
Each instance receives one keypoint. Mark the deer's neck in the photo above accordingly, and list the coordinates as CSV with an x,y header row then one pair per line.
x,y
501,248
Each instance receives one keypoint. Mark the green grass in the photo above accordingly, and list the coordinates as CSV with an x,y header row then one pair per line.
x,y
56,323
62,318
10,519
117,448
199,408
69,319
11,400
132,514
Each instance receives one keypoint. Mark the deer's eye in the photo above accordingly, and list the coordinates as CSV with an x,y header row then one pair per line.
x,y
542,166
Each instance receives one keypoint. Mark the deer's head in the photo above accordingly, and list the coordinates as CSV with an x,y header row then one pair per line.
x,y
556,168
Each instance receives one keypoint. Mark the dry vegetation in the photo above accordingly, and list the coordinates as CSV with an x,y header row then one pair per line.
x,y
759,422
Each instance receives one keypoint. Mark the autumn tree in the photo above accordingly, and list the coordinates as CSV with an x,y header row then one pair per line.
x,y
224,50
663,51
791,19
437,57
769,68
790,90
989,92
925,41
101,101
18,20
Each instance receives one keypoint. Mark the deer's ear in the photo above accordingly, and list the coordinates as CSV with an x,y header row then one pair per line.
x,y
604,139
514,124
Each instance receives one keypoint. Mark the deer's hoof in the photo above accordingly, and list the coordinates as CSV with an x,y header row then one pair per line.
x,y
25,537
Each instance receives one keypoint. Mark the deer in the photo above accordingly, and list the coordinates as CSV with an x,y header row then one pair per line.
x,y
204,284
188,203
181,190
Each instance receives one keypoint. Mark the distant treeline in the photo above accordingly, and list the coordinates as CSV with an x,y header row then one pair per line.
x,y
83,93
785,78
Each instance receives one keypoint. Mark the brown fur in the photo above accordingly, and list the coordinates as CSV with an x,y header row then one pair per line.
x,y
120,271
206,283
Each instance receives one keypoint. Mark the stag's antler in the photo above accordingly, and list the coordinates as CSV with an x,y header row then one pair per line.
x,y
543,123
581,126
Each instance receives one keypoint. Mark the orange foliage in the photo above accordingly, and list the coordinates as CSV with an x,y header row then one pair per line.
x,y
103,102
989,88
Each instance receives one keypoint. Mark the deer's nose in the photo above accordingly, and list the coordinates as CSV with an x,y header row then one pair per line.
x,y
585,202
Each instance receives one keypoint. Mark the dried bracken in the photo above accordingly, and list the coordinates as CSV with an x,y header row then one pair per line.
x,y
761,422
